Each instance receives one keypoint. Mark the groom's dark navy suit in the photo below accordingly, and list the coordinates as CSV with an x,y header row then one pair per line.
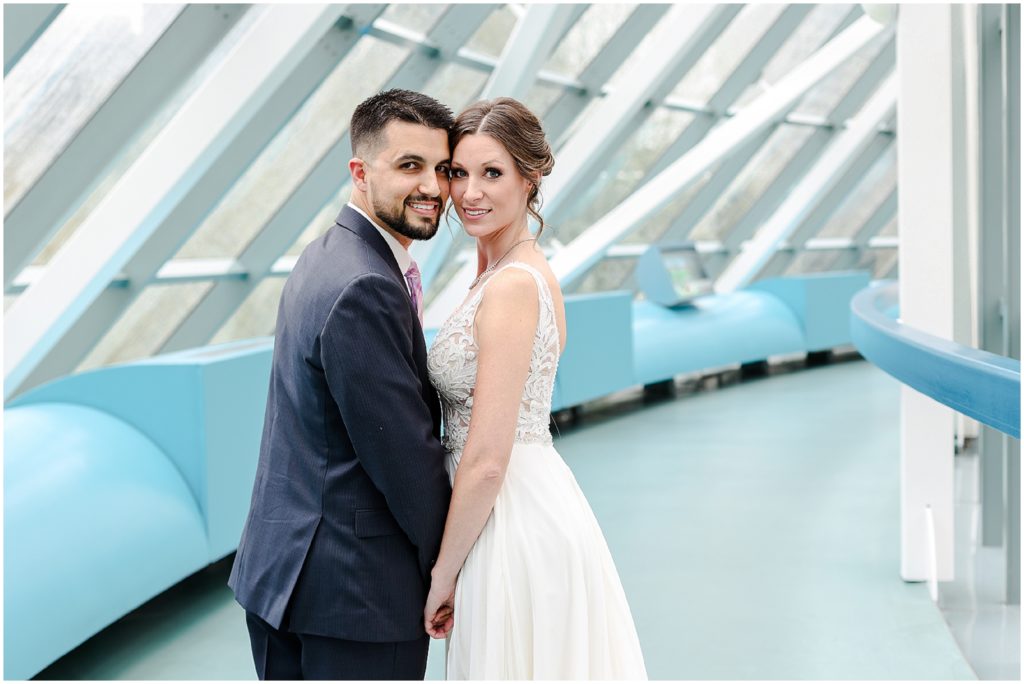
x,y
351,494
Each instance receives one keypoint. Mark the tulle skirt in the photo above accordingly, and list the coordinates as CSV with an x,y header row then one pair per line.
x,y
539,596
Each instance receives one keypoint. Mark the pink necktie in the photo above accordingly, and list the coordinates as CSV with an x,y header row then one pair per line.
x,y
412,276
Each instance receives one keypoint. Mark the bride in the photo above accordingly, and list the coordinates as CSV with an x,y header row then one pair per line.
x,y
523,563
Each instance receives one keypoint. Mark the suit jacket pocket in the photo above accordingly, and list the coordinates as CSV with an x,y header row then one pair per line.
x,y
375,522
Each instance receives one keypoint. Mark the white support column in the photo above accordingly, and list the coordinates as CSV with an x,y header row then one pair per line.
x,y
931,158
586,250
67,182
23,24
174,162
321,185
819,182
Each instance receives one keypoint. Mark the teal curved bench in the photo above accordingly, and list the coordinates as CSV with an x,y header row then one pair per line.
x,y
97,520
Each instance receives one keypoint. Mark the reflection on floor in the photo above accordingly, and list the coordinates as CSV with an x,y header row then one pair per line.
x,y
987,630
755,528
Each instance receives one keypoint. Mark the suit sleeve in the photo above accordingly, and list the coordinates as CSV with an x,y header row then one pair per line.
x,y
367,354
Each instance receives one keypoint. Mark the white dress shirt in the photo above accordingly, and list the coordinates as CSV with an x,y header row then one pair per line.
x,y
402,255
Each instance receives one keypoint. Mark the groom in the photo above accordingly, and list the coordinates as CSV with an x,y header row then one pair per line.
x,y
351,494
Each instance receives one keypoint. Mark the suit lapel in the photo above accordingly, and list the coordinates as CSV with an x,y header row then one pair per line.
x,y
353,221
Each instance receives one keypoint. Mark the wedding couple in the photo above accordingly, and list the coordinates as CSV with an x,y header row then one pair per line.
x,y
367,533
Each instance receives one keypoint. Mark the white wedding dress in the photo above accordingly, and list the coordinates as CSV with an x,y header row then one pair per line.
x,y
538,596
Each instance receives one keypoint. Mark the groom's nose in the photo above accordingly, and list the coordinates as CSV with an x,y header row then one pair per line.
x,y
429,185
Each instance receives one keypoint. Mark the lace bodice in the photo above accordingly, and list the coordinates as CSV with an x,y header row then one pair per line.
x,y
452,363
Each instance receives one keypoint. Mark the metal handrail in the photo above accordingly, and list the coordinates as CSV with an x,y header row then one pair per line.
x,y
976,383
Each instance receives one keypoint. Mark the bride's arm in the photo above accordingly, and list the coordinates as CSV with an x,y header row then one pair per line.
x,y
506,322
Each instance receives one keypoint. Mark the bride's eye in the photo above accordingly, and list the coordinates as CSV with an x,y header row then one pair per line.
x,y
458,173
492,173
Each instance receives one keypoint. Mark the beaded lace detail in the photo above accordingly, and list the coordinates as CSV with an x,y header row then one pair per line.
x,y
452,362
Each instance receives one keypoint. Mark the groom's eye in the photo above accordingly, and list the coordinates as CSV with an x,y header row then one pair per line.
x,y
444,169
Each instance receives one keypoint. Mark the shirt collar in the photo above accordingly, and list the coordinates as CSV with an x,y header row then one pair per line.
x,y
402,255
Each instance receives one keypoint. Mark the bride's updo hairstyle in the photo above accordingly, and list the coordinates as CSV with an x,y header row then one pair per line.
x,y
514,126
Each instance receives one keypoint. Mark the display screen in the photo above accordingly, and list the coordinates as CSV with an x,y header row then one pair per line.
x,y
684,267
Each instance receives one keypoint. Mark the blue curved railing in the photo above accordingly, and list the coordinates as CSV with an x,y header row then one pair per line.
x,y
977,383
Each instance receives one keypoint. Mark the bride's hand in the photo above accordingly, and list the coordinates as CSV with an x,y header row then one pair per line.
x,y
439,613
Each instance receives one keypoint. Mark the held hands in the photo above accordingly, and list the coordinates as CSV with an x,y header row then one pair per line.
x,y
439,613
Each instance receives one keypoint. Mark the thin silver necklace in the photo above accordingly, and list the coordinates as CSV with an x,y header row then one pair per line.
x,y
495,264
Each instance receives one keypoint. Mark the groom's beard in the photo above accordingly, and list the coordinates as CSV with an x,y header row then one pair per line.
x,y
419,228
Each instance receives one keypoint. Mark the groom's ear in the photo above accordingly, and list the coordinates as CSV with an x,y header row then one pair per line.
x,y
357,169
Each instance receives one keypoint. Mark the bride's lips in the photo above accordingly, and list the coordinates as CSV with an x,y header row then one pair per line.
x,y
424,208
474,213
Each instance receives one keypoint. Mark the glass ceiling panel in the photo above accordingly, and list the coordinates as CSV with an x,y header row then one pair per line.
x,y
695,14
148,322
764,166
608,274
294,151
657,226
812,33
823,98
725,54
866,197
322,221
257,315
492,35
585,39
891,228
139,145
541,97
64,78
617,179
880,262
455,86
414,17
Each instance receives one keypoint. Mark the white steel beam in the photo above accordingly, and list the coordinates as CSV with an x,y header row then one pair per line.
x,y
215,116
531,42
824,206
320,186
820,180
745,73
189,210
23,24
75,172
775,193
587,249
568,106
678,45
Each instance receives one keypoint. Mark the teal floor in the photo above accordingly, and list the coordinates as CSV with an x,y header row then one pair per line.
x,y
755,528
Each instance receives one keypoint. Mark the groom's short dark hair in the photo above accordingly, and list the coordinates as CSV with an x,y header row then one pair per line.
x,y
373,114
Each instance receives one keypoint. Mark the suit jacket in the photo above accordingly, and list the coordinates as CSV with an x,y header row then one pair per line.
x,y
351,494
